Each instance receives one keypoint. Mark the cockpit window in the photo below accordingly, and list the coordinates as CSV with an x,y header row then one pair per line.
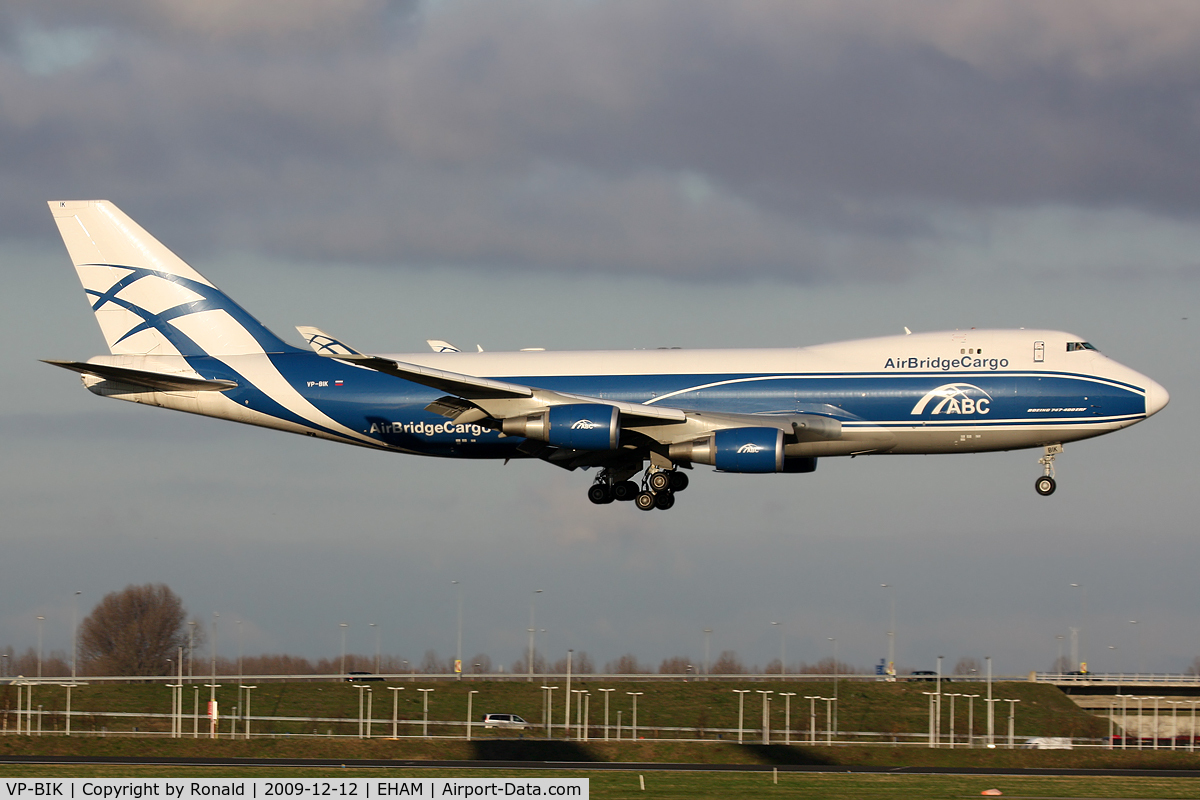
x,y
1073,346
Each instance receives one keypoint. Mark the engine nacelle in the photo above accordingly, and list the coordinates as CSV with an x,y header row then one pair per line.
x,y
578,426
735,450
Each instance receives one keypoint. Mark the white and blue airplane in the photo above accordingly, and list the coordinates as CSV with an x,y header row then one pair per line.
x,y
178,342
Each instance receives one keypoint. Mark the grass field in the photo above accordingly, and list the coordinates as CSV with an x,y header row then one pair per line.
x,y
702,710
700,786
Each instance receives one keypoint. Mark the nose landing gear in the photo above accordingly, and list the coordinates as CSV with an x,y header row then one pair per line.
x,y
1045,485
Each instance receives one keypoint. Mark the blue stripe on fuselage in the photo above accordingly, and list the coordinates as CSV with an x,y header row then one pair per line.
x,y
391,410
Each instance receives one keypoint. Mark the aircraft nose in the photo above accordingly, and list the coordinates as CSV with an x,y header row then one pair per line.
x,y
1156,398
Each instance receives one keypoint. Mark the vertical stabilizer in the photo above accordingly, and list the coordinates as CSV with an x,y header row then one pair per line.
x,y
147,300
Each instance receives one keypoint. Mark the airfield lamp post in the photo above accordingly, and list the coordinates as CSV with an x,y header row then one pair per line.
x,y
377,646
470,717
458,640
932,724
395,706
787,716
707,635
532,631
830,727
970,719
360,687
567,698
246,718
835,682
212,696
991,717
782,650
549,716
812,717
890,671
1077,651
40,620
1058,661
191,646
952,695
342,663
1012,721
4,665
741,693
607,692
766,714
633,723
937,726
74,635
425,711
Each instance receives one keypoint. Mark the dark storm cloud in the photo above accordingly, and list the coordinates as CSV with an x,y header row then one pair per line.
x,y
683,138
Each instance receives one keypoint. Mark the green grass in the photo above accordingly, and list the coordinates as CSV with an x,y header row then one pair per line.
x,y
698,707
698,786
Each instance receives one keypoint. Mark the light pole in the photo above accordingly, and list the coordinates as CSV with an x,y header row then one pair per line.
x,y
361,687
635,696
532,631
425,711
812,717
342,663
212,695
891,634
970,719
395,706
40,620
782,650
707,634
246,719
191,645
766,714
377,645
835,682
470,697
787,716
458,639
548,717
607,692
74,636
991,715
741,693
1012,719
1077,652
1058,662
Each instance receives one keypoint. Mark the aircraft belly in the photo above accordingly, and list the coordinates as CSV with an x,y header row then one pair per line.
x,y
924,440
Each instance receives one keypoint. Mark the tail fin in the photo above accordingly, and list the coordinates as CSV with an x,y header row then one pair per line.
x,y
147,300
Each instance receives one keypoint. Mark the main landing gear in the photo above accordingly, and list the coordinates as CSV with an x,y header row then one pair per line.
x,y
1045,485
657,489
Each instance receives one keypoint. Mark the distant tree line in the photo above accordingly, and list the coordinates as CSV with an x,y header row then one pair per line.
x,y
143,630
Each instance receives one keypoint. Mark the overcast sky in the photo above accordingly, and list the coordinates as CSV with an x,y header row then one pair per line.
x,y
604,174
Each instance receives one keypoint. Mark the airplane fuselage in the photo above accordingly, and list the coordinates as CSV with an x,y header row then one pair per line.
x,y
960,391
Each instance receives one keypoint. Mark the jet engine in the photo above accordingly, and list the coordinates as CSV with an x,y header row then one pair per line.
x,y
735,450
579,426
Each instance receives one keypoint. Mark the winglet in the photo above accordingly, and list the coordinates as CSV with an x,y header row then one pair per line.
x,y
324,344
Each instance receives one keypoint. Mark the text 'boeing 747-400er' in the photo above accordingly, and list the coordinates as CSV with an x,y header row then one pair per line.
x,y
178,342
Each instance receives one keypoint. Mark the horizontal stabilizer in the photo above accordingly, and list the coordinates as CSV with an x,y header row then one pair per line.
x,y
156,381
324,344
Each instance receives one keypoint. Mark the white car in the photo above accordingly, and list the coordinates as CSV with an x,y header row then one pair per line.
x,y
504,721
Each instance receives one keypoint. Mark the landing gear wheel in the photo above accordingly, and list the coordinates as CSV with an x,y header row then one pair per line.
x,y
645,501
624,490
659,481
1045,486
664,500
679,481
600,494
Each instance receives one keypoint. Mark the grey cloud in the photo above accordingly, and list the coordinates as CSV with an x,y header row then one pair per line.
x,y
827,137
